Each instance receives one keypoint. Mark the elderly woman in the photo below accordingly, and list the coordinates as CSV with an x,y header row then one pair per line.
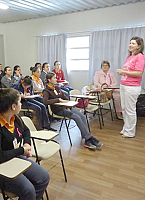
x,y
105,76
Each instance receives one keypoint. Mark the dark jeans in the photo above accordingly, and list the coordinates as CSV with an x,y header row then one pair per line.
x,y
41,111
80,120
30,185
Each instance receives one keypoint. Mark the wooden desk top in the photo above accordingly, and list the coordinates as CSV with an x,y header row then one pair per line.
x,y
31,96
14,167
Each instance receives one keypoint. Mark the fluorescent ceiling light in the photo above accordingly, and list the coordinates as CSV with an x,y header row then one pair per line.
x,y
3,6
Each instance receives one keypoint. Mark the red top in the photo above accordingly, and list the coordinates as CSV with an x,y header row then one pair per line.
x,y
59,75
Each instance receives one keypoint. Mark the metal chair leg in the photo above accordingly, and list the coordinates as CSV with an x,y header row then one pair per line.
x,y
111,111
63,165
68,132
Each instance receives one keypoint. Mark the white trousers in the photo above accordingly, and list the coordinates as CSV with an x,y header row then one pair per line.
x,y
129,95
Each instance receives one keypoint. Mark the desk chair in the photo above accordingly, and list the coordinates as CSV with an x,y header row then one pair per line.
x,y
92,109
17,166
62,118
43,148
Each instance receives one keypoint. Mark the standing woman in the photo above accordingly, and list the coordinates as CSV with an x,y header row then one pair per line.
x,y
130,86
7,80
30,185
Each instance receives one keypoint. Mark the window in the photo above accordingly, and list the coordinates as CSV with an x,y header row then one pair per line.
x,y
77,53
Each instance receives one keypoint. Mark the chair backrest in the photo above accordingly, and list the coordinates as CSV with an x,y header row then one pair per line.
x,y
49,110
74,92
29,123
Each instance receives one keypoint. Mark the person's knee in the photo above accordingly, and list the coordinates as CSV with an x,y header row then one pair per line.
x,y
28,193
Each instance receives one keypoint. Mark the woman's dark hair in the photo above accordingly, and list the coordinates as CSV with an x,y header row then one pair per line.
x,y
36,64
55,62
105,62
27,80
44,65
140,42
49,75
5,69
33,69
15,68
8,96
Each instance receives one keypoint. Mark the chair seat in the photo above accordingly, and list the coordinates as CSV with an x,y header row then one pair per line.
x,y
60,117
94,102
91,108
45,149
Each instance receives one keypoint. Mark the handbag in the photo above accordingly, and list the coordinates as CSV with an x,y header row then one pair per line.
x,y
109,92
80,103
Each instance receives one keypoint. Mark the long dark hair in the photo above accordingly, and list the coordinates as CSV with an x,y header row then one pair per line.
x,y
8,96
33,69
49,75
140,42
15,68
5,69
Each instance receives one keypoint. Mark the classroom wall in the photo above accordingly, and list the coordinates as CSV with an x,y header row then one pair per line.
x,y
2,58
21,37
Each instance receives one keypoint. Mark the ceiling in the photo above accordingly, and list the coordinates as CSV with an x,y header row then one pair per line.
x,y
31,9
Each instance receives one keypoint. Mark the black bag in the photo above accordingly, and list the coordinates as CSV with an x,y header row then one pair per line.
x,y
140,105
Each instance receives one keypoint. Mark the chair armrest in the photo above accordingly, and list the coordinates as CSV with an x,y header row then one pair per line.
x,y
14,167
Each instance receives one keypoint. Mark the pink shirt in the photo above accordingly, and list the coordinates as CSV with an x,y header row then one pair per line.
x,y
100,78
133,63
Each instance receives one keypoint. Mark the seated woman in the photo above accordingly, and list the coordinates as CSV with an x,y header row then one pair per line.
x,y
37,83
38,65
7,80
17,72
30,184
60,77
52,94
24,88
105,76
45,70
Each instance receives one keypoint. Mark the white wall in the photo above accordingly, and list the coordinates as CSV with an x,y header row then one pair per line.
x,y
2,58
21,43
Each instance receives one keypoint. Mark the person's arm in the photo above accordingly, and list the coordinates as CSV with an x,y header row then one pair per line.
x,y
6,155
46,99
132,73
63,77
4,82
35,86
96,79
114,81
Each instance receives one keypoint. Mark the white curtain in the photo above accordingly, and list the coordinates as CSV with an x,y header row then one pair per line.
x,y
111,45
52,48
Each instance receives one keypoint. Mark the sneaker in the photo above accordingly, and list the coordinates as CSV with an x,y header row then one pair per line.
x,y
88,144
96,142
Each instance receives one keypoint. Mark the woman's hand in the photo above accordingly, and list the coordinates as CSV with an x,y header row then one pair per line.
x,y
120,71
63,101
27,150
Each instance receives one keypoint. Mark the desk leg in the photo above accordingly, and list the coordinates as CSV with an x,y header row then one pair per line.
x,y
85,113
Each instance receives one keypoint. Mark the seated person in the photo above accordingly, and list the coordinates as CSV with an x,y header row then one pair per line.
x,y
37,83
24,88
30,184
1,73
38,65
105,76
17,72
7,80
45,69
60,77
52,94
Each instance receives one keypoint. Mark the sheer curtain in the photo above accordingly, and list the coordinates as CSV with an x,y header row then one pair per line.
x,y
111,45
52,48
